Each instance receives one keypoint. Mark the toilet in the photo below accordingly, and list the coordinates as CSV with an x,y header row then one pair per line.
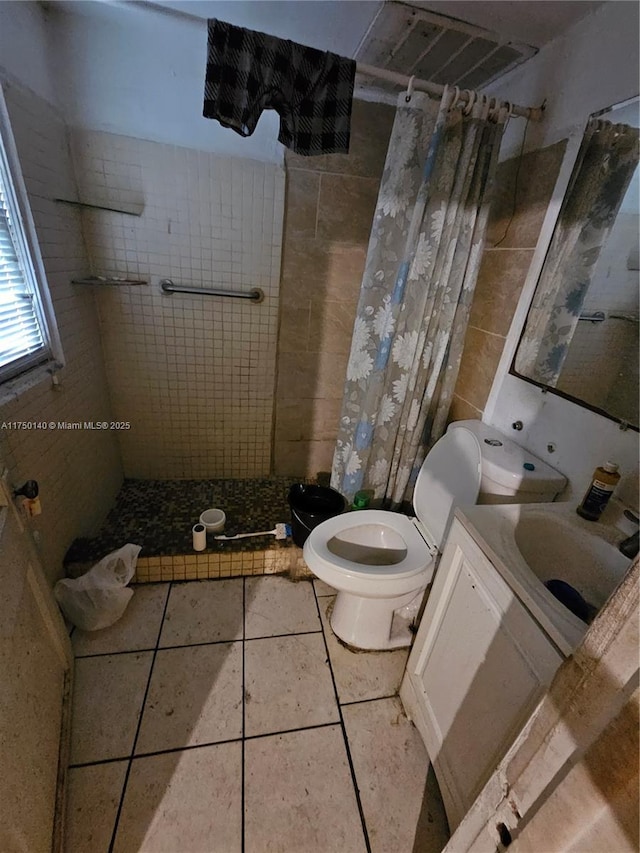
x,y
381,562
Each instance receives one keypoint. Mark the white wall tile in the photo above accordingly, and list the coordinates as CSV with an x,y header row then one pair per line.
x,y
194,375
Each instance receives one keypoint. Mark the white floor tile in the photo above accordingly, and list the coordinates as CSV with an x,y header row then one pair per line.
x,y
391,765
195,697
93,797
299,796
279,606
287,684
184,802
362,675
432,831
107,699
137,629
323,588
203,612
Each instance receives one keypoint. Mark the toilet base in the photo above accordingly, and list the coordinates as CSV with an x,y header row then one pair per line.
x,y
366,623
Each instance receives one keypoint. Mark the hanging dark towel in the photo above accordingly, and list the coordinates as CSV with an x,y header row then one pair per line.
x,y
311,91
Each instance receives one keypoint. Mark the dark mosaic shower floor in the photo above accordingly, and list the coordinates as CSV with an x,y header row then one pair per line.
x,y
159,515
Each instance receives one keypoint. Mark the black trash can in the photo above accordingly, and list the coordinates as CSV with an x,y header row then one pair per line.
x,y
310,506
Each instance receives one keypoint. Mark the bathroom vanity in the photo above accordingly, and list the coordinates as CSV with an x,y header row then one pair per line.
x,y
490,641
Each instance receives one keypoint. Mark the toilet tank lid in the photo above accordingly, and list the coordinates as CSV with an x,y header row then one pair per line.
x,y
508,464
449,477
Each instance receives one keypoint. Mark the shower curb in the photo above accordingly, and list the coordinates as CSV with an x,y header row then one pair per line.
x,y
239,564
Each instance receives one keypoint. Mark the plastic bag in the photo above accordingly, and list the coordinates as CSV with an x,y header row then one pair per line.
x,y
98,598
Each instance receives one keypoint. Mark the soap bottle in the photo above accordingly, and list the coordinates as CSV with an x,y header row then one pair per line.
x,y
605,479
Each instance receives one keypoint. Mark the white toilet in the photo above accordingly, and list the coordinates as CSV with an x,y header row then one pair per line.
x,y
381,561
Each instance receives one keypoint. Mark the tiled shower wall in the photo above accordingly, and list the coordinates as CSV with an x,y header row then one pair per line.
x,y
602,364
193,375
523,192
328,212
330,202
78,471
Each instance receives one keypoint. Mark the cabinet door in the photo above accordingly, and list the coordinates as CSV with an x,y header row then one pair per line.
x,y
477,669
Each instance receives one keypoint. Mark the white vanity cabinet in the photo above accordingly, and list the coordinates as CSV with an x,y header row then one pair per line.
x,y
479,664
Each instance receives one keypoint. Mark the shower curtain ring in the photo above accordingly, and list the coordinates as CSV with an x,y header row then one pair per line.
x,y
504,111
493,108
409,93
472,97
456,97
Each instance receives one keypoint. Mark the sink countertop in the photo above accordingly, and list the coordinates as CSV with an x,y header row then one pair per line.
x,y
493,525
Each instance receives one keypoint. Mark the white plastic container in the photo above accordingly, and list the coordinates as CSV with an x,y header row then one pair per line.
x,y
213,520
199,537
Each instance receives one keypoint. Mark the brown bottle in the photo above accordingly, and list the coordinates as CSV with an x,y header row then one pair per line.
x,y
605,479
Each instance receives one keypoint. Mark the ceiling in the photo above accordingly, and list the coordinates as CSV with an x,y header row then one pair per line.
x,y
341,25
532,21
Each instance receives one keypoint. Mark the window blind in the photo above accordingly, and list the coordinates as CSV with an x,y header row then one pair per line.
x,y
23,338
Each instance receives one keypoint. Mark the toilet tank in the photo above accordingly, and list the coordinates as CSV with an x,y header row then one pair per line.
x,y
510,474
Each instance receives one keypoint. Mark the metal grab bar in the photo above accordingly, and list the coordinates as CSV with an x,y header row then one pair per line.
x,y
167,285
600,316
628,316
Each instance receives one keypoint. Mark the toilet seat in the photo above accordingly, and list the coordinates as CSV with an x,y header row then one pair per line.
x,y
350,575
450,475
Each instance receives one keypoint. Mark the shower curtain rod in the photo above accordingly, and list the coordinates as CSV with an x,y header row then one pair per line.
x,y
434,89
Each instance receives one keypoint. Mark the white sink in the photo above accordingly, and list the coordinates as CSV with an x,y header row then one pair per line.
x,y
534,543
555,547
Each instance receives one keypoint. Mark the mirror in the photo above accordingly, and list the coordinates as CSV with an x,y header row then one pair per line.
x,y
580,339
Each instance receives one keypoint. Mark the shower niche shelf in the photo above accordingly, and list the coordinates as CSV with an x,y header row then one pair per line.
x,y
133,210
110,281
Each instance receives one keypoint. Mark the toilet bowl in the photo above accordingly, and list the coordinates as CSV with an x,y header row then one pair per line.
x,y
380,562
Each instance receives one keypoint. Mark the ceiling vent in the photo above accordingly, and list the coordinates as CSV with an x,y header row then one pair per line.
x,y
413,41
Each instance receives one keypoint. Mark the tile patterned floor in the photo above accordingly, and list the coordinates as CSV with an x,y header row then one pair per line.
x,y
223,716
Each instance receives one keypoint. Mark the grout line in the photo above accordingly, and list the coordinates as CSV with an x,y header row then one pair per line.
x,y
242,757
469,403
99,761
510,249
141,714
112,654
239,577
371,699
329,172
186,748
344,733
192,645
290,731
205,745
278,636
487,332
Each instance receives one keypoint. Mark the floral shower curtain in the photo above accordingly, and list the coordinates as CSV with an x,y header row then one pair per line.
x,y
421,269
604,168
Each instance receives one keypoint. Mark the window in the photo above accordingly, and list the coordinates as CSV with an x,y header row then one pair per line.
x,y
26,318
